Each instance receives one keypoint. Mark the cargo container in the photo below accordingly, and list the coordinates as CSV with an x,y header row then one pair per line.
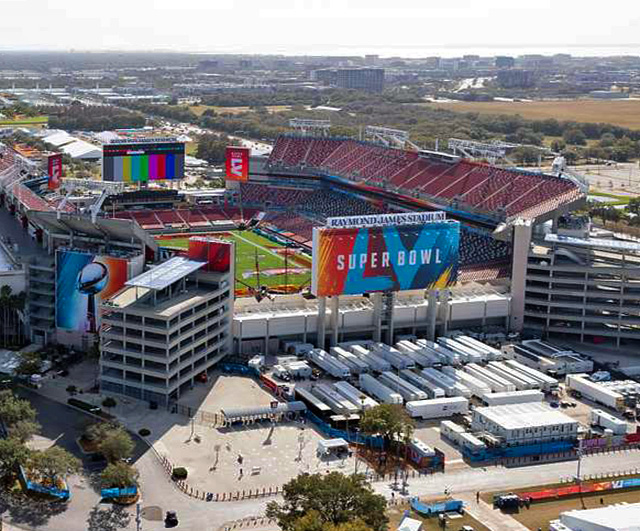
x,y
606,420
476,387
547,383
495,382
329,364
353,362
521,381
595,391
297,348
402,387
492,354
550,359
420,453
420,355
338,403
513,397
397,359
451,430
372,386
450,385
354,395
432,389
466,353
446,356
437,407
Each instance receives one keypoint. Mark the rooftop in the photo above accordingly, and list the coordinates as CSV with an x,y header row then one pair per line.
x,y
131,298
622,517
165,274
521,416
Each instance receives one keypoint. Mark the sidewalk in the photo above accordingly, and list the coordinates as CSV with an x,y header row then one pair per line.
x,y
485,513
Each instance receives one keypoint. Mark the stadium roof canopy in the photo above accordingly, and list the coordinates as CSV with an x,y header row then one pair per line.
x,y
58,138
165,274
79,149
120,230
613,245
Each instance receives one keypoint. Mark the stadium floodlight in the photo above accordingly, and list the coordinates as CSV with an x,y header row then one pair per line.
x,y
310,127
387,136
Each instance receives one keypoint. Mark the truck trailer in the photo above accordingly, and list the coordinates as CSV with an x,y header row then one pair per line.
x,y
466,353
353,362
605,420
595,391
402,387
432,389
420,355
492,354
521,381
437,407
513,397
547,383
354,395
372,386
397,359
477,387
376,363
447,357
450,385
338,403
497,383
329,364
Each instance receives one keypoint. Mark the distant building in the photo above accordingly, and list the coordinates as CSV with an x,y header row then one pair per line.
x,y
516,78
369,79
208,64
608,94
371,60
326,76
503,61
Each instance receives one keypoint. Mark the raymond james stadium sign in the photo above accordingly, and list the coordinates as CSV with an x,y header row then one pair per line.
x,y
377,220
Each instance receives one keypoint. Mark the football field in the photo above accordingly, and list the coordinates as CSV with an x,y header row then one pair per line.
x,y
251,247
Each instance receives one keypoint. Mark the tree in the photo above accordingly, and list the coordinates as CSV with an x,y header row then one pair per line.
x,y
390,421
12,454
23,430
337,499
575,137
116,445
53,463
30,363
14,409
119,475
312,522
634,205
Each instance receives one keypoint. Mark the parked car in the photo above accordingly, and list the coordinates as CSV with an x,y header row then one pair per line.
x,y
171,519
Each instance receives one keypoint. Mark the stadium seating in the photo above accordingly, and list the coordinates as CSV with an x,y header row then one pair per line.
x,y
486,188
147,219
477,247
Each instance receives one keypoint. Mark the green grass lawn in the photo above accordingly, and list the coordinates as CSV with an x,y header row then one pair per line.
x,y
247,245
26,120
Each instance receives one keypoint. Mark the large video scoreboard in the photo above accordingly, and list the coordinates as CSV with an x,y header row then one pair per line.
x,y
143,161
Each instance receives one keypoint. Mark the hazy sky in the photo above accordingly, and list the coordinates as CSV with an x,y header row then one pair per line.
x,y
387,27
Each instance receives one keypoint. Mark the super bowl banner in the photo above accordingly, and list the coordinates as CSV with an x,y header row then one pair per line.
x,y
351,261
237,163
54,170
82,281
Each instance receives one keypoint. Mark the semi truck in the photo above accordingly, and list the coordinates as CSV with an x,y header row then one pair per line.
x,y
375,362
402,387
372,386
354,395
432,389
353,362
605,420
477,387
492,354
437,407
466,353
595,391
338,403
513,397
447,357
450,385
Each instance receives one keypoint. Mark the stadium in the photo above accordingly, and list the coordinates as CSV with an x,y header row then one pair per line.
x,y
270,208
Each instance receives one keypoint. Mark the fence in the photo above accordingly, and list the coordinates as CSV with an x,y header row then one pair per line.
x,y
61,494
583,488
353,437
435,508
118,492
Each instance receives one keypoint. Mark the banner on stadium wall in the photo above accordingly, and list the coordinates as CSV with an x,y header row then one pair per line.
x,y
83,280
54,170
216,253
378,220
237,163
351,261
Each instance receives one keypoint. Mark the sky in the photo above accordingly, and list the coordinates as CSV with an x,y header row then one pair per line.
x,y
410,28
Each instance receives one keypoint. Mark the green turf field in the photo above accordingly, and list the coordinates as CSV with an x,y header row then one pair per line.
x,y
247,243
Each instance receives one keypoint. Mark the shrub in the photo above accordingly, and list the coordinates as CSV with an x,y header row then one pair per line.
x,y
109,402
72,389
144,432
179,473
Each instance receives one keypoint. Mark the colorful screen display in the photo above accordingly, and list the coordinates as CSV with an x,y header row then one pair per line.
x,y
82,281
54,169
216,253
351,261
143,162
237,163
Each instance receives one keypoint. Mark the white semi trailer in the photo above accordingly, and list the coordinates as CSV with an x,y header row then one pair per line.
x,y
328,363
497,383
397,359
607,421
432,389
450,385
492,354
477,387
447,357
402,387
522,382
420,355
466,353
514,397
354,395
437,407
380,391
375,362
595,391
338,403
353,362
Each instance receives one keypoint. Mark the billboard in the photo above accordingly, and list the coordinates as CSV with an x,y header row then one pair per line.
x,y
54,170
237,163
82,281
351,261
139,162
216,253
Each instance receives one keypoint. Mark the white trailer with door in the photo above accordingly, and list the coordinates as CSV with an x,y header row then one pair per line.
x,y
477,387
353,362
354,395
547,383
492,353
402,387
420,355
437,408
595,391
397,359
497,384
466,353
432,390
375,362
607,421
338,403
329,364
446,356
522,382
450,385
513,397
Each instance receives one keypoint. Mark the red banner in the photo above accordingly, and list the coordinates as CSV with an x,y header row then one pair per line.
x,y
237,163
54,170
216,253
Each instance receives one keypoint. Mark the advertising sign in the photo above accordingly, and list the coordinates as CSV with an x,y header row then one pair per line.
x,y
350,261
82,281
237,163
216,253
376,220
134,162
54,170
